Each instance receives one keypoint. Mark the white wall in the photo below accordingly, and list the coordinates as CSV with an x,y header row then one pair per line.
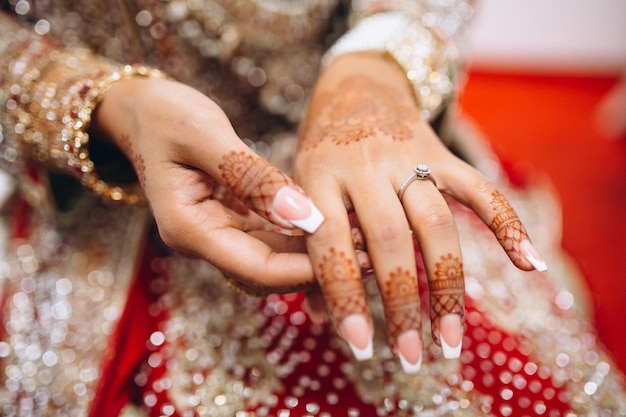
x,y
549,35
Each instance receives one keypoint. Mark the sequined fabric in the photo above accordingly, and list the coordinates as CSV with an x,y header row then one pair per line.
x,y
70,277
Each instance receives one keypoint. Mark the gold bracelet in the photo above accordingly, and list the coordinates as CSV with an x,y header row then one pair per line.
x,y
85,96
50,105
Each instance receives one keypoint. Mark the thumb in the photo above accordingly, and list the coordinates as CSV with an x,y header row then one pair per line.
x,y
268,191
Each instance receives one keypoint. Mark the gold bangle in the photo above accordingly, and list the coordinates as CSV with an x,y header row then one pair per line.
x,y
50,102
74,137
243,289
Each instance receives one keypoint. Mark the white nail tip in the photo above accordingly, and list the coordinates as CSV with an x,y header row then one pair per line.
x,y
533,256
540,266
410,368
311,223
450,352
362,354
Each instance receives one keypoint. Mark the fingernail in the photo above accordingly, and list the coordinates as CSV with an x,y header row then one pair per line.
x,y
450,335
410,351
533,256
356,332
297,209
316,315
363,259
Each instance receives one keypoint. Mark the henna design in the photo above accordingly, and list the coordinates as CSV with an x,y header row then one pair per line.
x,y
447,289
341,285
402,301
252,180
359,109
135,158
506,225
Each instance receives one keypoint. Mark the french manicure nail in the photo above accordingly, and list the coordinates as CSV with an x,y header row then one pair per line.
x,y
297,209
532,255
410,351
450,335
357,333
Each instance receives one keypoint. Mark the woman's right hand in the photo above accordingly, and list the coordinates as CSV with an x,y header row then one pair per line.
x,y
210,194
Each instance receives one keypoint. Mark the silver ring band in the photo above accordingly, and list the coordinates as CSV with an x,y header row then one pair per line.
x,y
421,172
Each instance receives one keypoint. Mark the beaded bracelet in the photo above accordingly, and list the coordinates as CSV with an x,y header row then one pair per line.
x,y
426,59
74,137
51,105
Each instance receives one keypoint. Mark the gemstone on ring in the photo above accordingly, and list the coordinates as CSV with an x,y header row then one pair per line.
x,y
422,171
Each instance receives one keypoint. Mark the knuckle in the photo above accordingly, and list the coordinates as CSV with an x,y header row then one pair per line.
x,y
388,232
326,235
437,216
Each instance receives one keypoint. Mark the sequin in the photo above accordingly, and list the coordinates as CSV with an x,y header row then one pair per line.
x,y
225,353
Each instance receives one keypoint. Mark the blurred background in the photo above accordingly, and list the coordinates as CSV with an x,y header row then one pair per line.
x,y
544,85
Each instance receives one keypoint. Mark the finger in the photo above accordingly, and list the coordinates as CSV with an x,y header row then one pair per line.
x,y
481,195
205,140
257,265
280,243
438,238
391,250
268,191
315,306
338,274
208,230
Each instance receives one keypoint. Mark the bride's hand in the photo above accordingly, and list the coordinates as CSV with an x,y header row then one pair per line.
x,y
210,194
360,141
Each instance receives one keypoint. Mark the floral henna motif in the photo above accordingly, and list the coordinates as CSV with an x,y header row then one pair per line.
x,y
506,225
402,300
341,284
446,291
359,109
251,180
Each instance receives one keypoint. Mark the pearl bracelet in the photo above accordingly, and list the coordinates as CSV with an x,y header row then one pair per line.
x,y
426,59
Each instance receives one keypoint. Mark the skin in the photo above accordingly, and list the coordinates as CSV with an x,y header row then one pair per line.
x,y
210,195
360,139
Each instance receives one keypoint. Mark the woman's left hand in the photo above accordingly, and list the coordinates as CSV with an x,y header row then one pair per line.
x,y
360,140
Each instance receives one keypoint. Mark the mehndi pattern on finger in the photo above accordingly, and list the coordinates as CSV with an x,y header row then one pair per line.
x,y
401,298
447,290
341,284
251,180
506,225
359,109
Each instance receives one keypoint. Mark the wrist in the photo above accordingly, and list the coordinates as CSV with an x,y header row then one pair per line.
x,y
370,63
57,98
427,60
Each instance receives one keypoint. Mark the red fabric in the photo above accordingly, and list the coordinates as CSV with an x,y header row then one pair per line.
x,y
129,347
542,123
545,124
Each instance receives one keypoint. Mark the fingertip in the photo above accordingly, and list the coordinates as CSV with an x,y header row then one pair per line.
x,y
451,335
314,306
356,331
410,351
297,209
531,254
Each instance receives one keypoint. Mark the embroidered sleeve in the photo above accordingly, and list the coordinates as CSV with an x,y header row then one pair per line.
x,y
422,37
48,95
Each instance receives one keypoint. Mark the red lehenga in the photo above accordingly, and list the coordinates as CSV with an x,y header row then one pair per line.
x,y
99,318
